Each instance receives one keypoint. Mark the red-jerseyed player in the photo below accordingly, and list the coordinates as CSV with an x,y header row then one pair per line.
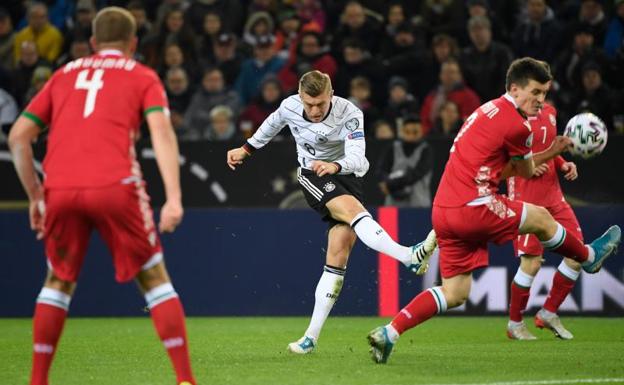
x,y
542,189
93,107
494,143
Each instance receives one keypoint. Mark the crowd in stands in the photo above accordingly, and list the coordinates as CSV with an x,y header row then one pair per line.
x,y
227,64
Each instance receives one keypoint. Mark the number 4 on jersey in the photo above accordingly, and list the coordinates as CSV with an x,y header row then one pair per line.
x,y
92,86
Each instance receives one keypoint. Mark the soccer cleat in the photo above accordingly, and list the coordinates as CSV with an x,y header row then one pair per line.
x,y
553,323
185,383
421,253
303,345
520,332
380,343
603,247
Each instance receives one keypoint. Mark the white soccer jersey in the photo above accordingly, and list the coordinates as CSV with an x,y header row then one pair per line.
x,y
338,138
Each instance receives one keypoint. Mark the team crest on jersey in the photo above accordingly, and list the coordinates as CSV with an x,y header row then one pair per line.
x,y
529,141
553,121
329,187
352,124
320,138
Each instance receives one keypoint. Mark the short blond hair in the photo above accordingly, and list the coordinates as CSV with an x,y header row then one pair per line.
x,y
314,83
114,25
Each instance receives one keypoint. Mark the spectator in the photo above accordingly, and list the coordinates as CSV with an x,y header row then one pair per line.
x,y
231,13
221,127
401,102
264,62
258,25
485,62
7,41
39,78
80,26
311,14
449,121
23,71
138,11
592,17
227,57
78,48
540,35
355,25
614,40
212,93
171,29
212,29
269,99
311,55
595,96
179,94
394,18
8,113
442,16
383,130
482,8
48,39
443,48
357,61
405,168
404,58
287,33
452,88
567,67
360,95
173,56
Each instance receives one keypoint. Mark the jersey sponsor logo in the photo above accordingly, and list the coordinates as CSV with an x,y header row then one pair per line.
x,y
320,138
356,135
529,141
329,187
352,124
552,119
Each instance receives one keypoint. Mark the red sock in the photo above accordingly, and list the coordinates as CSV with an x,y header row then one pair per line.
x,y
48,324
518,301
424,306
168,317
561,287
568,245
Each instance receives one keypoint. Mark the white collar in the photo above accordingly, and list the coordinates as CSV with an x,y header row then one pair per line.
x,y
511,99
110,52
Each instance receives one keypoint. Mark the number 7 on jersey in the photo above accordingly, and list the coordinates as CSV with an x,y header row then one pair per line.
x,y
92,86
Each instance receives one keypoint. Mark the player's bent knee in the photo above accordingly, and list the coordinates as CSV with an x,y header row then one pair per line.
x,y
154,276
54,282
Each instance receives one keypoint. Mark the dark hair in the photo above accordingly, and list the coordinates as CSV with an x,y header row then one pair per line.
x,y
411,119
521,71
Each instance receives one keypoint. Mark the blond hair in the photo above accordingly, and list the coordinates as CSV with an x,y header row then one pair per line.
x,y
314,83
114,25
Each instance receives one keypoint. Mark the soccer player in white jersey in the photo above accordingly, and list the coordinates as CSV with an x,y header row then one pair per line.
x,y
329,133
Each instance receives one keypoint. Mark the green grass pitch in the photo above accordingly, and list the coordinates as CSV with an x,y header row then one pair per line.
x,y
240,351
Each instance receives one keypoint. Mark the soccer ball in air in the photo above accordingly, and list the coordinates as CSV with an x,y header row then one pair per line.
x,y
588,134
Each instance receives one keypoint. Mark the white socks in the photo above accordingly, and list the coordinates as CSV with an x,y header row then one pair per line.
x,y
326,294
523,279
375,237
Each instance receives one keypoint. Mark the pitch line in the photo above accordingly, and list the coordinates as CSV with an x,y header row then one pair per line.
x,y
549,382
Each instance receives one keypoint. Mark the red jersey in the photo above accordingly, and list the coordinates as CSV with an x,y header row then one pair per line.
x,y
94,107
495,133
543,190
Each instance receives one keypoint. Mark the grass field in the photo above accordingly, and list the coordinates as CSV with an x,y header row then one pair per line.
x,y
240,351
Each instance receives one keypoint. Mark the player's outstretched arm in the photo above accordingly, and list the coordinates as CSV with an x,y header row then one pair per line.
x,y
559,145
167,156
22,134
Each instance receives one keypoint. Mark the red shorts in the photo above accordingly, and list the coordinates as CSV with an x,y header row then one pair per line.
x,y
120,213
464,232
528,244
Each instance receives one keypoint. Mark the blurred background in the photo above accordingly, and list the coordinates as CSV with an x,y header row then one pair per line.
x,y
416,68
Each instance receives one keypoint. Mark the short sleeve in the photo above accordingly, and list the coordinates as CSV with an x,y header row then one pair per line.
x,y
39,110
519,140
155,98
